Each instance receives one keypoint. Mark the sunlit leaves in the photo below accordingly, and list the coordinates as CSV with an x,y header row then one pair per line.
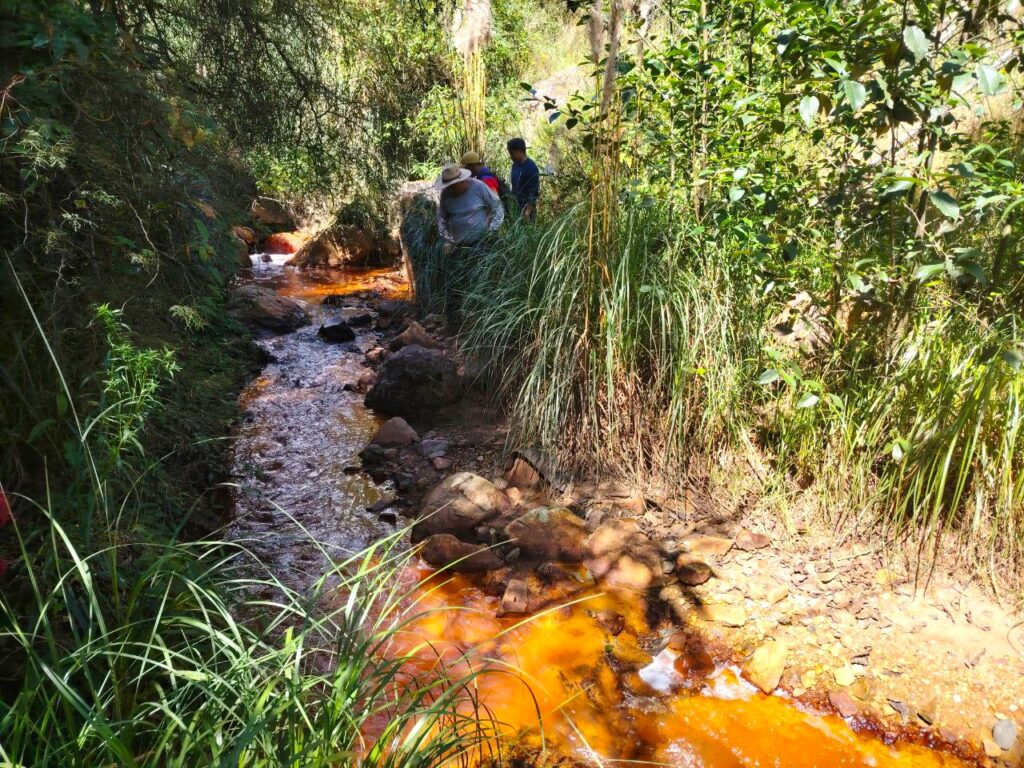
x,y
856,94
809,106
946,203
990,79
917,42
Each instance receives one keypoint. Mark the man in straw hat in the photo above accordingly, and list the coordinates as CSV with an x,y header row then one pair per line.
x,y
467,213
467,210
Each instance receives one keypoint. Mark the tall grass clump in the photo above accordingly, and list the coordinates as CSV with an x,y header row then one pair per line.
x,y
632,363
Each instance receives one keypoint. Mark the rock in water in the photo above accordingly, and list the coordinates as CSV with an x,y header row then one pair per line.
x,y
336,330
844,704
415,382
766,666
264,307
1004,733
415,334
552,534
395,431
443,550
516,599
458,506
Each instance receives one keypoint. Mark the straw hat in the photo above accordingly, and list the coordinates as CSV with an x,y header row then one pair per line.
x,y
470,158
451,174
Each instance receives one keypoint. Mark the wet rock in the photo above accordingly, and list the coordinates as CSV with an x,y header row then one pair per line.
x,y
415,334
336,330
843,703
459,505
347,246
1004,733
245,234
707,546
549,534
748,541
283,242
766,666
516,599
415,381
692,572
366,380
375,355
395,432
241,251
442,550
720,613
360,320
264,307
621,556
373,455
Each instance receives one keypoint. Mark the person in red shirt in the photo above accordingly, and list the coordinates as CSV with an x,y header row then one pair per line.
x,y
472,162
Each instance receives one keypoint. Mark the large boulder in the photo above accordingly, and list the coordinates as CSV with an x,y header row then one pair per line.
x,y
284,242
621,556
442,550
336,330
264,307
348,246
241,251
549,534
415,382
271,212
395,432
458,506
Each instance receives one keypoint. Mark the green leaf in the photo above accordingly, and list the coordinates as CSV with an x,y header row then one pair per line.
x,y
735,193
809,400
917,42
739,173
897,188
768,377
856,94
1012,358
946,203
989,79
928,271
808,109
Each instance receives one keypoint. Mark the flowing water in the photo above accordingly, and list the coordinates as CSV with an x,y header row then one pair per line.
x,y
617,696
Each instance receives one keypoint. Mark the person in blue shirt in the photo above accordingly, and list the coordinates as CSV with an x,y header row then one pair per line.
x,y
525,178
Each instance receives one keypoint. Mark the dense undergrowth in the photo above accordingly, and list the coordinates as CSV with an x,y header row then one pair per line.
x,y
782,257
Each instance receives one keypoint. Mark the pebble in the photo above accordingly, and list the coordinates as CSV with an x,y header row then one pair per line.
x,y
844,676
1004,733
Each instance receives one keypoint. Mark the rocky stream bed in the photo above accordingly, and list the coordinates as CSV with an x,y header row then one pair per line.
x,y
648,629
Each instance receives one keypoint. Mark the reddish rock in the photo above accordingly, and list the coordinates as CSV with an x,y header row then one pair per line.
x,y
843,703
516,599
443,550
283,242
748,541
522,475
621,556
613,623
395,432
245,234
692,572
549,534
459,505
442,463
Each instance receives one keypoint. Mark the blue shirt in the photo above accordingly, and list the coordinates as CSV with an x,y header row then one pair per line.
x,y
525,180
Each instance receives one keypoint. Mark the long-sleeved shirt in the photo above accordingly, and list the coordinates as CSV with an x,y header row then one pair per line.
x,y
466,218
525,180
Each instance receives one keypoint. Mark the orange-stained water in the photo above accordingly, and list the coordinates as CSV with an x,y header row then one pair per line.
x,y
559,679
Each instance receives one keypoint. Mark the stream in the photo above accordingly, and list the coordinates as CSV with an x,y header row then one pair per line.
x,y
604,695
